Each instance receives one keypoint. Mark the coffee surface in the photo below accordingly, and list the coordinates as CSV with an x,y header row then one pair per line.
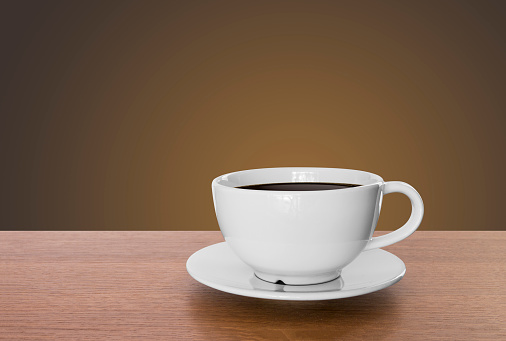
x,y
299,186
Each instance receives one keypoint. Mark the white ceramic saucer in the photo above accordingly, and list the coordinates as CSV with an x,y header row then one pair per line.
x,y
218,267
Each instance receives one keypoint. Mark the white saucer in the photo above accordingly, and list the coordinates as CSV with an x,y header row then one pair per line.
x,y
218,267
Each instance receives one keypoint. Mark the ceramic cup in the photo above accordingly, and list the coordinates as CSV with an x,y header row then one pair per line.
x,y
305,237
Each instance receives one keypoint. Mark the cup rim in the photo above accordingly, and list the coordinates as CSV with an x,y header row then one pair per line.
x,y
218,181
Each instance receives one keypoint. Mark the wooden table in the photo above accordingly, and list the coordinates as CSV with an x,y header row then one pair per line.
x,y
134,285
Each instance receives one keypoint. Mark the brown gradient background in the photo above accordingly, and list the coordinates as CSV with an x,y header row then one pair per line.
x,y
118,114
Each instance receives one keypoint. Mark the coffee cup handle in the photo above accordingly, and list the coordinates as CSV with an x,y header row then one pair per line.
x,y
410,226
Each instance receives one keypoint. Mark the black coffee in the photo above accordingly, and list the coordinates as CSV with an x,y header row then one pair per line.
x,y
299,186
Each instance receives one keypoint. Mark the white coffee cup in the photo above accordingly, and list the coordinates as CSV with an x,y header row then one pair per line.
x,y
305,237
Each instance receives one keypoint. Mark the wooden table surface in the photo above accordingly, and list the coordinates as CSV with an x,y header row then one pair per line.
x,y
134,285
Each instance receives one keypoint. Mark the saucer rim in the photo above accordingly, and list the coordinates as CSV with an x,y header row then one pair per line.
x,y
296,296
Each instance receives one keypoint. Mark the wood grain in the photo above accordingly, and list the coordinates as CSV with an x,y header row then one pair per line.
x,y
134,285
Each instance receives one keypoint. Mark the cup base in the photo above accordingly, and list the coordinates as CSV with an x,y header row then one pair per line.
x,y
299,280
